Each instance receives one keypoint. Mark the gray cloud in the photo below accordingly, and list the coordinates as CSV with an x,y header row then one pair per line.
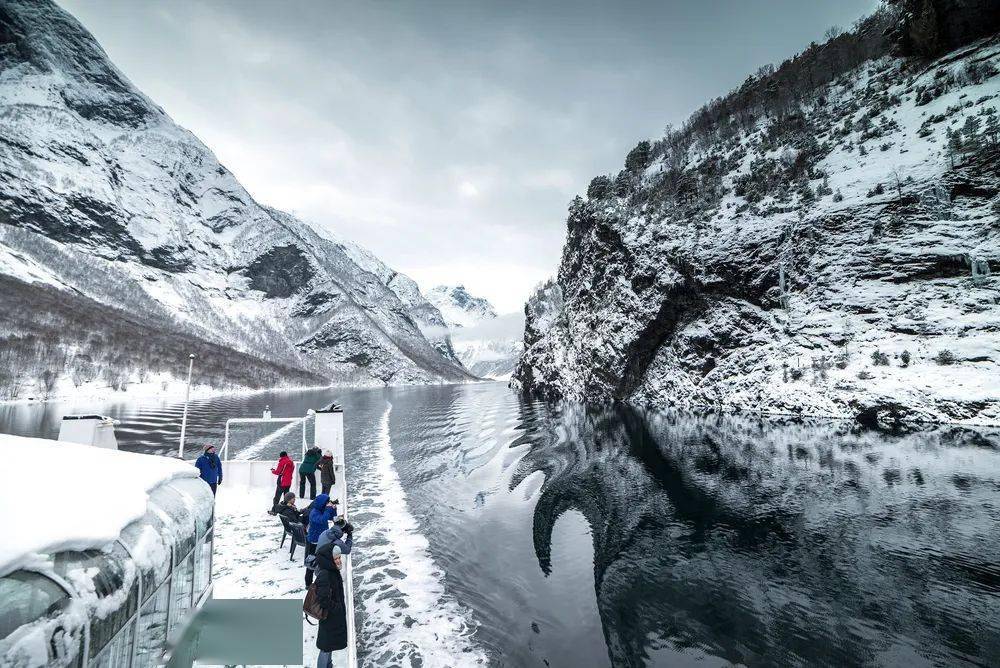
x,y
447,137
506,327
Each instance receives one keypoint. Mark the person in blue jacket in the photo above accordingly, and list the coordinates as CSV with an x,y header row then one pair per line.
x,y
210,467
321,512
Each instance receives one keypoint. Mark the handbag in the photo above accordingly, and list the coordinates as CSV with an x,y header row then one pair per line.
x,y
311,606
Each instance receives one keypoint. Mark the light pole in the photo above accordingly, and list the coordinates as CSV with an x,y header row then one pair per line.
x,y
187,396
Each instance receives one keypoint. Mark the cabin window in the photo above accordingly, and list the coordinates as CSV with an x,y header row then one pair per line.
x,y
28,597
152,628
32,600
176,509
118,652
106,582
183,586
203,565
147,541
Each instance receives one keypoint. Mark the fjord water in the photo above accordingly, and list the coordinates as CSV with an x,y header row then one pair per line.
x,y
494,529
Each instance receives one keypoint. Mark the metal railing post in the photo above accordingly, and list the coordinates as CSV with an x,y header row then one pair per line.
x,y
187,397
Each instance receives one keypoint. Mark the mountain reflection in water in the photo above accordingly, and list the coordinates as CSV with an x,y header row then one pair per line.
x,y
776,541
564,535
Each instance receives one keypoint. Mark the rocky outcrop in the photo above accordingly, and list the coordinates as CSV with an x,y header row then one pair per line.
x,y
818,261
929,28
280,272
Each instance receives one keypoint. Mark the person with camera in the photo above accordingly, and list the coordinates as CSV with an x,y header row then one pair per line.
x,y
283,471
340,534
307,472
322,510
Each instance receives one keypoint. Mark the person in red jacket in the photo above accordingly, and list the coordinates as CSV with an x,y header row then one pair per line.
x,y
284,471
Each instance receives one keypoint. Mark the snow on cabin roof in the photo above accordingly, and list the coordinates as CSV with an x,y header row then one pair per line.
x,y
58,495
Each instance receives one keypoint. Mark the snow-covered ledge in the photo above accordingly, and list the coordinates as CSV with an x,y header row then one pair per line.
x,y
94,491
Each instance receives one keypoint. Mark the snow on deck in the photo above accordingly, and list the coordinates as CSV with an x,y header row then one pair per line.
x,y
95,493
248,562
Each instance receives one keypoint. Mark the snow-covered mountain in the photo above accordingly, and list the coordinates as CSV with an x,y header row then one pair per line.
x,y
458,307
819,241
127,227
486,344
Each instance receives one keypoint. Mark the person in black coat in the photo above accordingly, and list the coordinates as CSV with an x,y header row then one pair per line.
x,y
332,633
288,510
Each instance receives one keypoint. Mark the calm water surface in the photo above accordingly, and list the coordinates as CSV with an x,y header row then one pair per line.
x,y
503,531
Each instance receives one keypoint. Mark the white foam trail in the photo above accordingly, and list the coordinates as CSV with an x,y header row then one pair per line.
x,y
256,448
430,625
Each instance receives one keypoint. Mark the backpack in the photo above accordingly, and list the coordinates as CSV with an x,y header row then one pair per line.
x,y
311,606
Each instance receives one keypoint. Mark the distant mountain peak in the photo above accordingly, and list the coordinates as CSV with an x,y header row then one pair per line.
x,y
458,307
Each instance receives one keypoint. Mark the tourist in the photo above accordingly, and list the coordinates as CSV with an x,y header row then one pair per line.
x,y
321,512
327,477
284,471
307,471
288,510
335,535
331,636
267,413
210,467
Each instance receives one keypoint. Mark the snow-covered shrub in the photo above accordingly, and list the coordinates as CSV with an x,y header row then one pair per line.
x,y
904,358
945,357
864,374
879,358
824,188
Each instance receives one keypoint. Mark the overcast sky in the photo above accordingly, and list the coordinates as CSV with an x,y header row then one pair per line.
x,y
447,137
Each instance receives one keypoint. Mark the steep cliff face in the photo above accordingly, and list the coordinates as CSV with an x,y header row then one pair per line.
x,y
832,257
931,27
103,196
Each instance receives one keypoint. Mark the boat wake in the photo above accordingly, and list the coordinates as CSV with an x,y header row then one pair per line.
x,y
408,617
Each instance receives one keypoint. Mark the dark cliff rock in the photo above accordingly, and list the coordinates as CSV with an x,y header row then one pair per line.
x,y
280,272
929,28
828,259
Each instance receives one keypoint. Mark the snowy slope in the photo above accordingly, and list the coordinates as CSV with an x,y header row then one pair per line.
x,y
420,309
102,196
488,346
829,259
459,308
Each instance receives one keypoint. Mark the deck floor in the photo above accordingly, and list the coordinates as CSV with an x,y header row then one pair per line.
x,y
248,562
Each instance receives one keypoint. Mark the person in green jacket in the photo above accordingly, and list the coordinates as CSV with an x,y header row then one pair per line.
x,y
307,471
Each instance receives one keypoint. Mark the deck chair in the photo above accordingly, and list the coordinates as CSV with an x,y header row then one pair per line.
x,y
298,534
286,532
